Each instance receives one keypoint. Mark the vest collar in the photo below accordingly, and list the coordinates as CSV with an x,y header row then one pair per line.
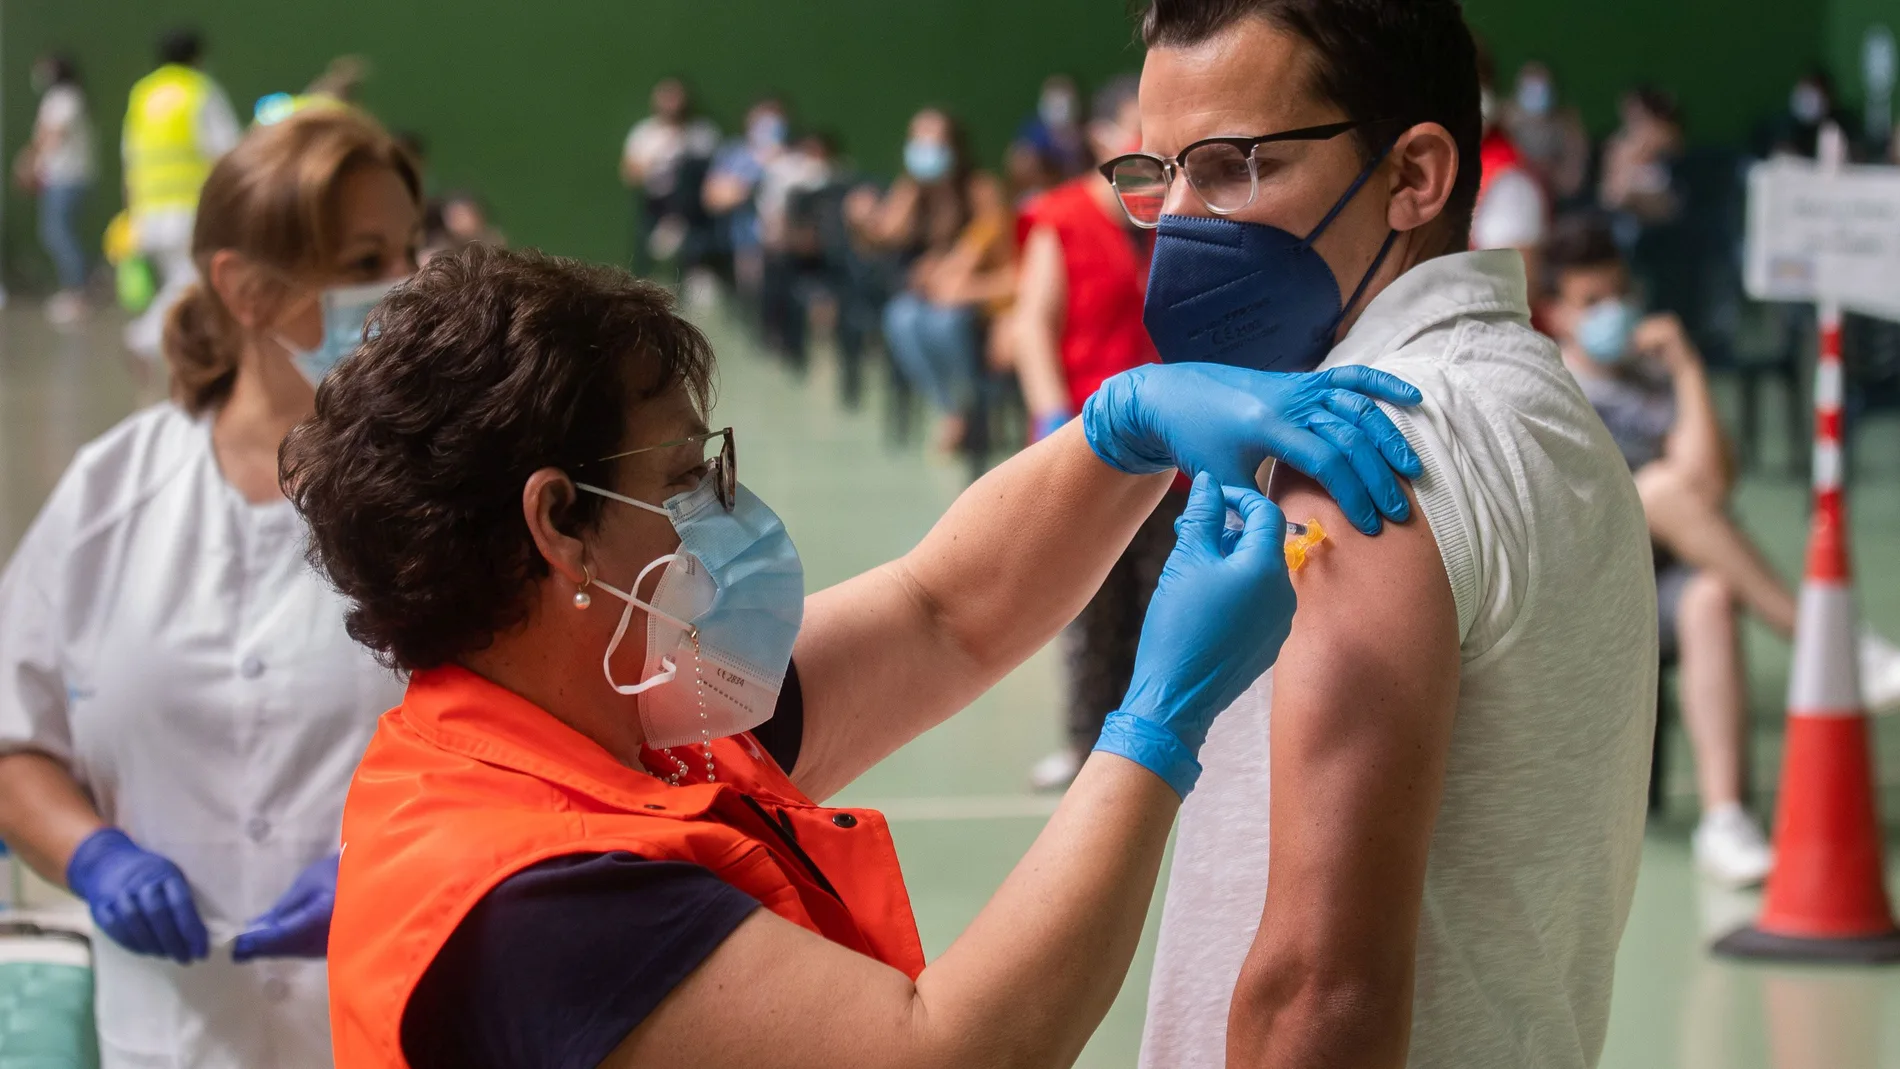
x,y
464,713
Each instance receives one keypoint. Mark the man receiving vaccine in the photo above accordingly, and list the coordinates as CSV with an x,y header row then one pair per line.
x,y
1445,772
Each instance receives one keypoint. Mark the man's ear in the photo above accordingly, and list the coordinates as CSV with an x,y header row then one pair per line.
x,y
546,498
1425,167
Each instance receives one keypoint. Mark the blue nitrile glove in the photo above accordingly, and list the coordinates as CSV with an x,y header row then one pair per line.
x,y
298,926
1219,616
137,897
1227,420
1048,423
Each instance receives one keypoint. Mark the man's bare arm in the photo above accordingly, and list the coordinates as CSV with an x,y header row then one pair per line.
x,y
1363,700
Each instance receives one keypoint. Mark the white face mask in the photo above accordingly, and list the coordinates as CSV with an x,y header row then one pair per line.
x,y
345,314
722,620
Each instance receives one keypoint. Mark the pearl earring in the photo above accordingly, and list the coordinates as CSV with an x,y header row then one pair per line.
x,y
582,599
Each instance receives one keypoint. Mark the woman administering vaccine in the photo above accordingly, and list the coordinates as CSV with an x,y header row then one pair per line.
x,y
589,834
180,706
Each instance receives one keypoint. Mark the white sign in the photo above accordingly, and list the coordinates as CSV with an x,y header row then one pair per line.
x,y
1815,235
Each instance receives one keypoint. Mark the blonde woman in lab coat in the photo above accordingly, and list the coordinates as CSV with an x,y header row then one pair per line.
x,y
180,706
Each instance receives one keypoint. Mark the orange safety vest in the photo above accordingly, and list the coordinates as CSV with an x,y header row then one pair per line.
x,y
466,783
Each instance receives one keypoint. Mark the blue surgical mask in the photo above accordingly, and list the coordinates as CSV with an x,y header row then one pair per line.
x,y
1605,330
345,314
722,620
1535,96
927,161
767,132
1247,294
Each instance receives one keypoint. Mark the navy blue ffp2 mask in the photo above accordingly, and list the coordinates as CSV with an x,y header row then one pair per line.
x,y
1247,294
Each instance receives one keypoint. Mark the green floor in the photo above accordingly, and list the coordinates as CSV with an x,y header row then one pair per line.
x,y
957,799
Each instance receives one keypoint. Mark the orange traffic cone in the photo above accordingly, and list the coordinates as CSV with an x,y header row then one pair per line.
x,y
1827,896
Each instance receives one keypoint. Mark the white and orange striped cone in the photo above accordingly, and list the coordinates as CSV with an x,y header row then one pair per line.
x,y
1827,896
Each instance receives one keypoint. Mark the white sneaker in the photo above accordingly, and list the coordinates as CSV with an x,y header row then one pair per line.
x,y
1879,674
1730,848
1056,771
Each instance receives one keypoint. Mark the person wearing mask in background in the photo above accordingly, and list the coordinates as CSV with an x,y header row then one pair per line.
x,y
1050,146
1444,772
177,123
1637,186
180,704
454,221
563,850
1077,322
1513,209
1548,134
663,160
950,227
1647,381
793,249
1811,105
57,165
732,189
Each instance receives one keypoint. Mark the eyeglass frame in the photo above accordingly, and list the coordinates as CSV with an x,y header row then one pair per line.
x,y
724,467
1171,167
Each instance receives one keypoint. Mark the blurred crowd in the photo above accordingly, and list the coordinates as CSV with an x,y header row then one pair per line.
x,y
178,121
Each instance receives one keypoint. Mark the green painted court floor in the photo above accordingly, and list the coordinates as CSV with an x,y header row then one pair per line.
x,y
960,810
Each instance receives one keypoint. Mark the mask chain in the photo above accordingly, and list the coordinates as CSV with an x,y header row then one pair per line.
x,y
705,721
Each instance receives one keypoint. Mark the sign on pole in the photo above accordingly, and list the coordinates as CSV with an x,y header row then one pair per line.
x,y
1817,233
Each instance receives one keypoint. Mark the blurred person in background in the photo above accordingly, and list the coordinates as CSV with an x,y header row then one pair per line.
x,y
1811,105
178,121
799,233
951,228
732,187
57,165
1548,133
1077,321
1513,210
1637,185
1647,380
180,704
454,221
664,160
1051,145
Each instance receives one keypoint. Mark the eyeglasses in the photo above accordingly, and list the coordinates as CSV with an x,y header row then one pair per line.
x,y
722,465
1222,171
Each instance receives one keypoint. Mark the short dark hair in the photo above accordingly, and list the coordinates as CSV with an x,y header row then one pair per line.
x,y
1113,96
486,366
183,45
1407,60
1580,242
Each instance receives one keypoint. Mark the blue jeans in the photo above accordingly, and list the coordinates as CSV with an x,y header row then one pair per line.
x,y
934,348
59,232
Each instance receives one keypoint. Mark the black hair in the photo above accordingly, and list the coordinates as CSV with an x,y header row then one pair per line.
x,y
184,45
1657,101
1581,242
1410,61
63,67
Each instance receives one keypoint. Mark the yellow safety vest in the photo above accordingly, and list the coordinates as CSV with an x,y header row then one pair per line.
x,y
164,167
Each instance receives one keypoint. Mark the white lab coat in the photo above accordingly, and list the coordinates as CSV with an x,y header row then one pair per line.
x,y
166,638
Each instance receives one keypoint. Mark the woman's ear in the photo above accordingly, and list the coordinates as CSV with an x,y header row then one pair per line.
x,y
545,499
234,280
1426,167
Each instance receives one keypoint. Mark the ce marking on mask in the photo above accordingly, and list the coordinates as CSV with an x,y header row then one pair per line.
x,y
728,677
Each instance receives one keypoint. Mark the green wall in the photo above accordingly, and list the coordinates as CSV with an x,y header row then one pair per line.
x,y
528,102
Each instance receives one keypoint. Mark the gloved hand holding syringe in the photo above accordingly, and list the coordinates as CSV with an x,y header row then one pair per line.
x,y
1300,538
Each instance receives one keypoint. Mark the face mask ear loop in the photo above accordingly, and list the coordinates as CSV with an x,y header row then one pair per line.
x,y
626,617
1364,281
1351,192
